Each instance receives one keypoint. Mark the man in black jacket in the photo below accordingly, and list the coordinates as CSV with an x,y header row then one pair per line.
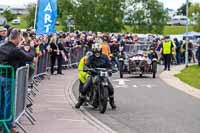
x,y
10,54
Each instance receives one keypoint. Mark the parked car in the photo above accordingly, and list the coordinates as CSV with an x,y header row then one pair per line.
x,y
16,21
3,20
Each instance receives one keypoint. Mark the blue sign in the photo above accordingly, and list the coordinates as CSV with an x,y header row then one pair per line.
x,y
46,17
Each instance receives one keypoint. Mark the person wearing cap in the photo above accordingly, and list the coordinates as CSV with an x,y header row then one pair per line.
x,y
198,52
11,55
3,35
166,50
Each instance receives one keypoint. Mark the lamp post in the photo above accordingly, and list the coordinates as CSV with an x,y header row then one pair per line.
x,y
187,39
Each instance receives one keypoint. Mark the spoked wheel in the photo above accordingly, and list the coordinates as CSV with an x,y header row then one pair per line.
x,y
94,100
103,99
121,70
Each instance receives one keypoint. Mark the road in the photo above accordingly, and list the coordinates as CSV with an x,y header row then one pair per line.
x,y
146,105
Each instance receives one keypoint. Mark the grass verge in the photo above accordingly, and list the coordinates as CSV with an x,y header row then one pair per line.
x,y
168,30
191,76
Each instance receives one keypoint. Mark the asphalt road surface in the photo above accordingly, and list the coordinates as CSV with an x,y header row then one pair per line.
x,y
147,105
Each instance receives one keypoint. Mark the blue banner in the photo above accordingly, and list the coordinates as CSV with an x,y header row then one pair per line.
x,y
46,17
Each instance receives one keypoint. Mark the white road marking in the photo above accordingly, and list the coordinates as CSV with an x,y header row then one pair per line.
x,y
134,86
121,86
121,81
148,86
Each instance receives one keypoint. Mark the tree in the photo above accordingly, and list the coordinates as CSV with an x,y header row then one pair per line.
x,y
109,15
146,16
30,18
197,26
194,9
182,9
8,15
65,9
94,15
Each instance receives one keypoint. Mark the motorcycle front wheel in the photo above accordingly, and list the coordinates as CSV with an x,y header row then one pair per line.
x,y
103,99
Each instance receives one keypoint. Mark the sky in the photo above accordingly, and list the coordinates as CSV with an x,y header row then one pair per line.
x,y
173,4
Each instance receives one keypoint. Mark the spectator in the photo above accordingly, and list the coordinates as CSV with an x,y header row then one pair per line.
x,y
10,54
178,51
56,53
166,50
198,52
3,35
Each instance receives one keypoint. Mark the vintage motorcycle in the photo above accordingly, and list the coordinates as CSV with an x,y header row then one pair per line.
x,y
98,93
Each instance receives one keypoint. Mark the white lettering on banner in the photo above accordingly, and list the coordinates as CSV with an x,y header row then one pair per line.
x,y
47,27
48,8
47,19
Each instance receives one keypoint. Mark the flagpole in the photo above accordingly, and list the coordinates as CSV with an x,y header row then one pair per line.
x,y
36,10
187,39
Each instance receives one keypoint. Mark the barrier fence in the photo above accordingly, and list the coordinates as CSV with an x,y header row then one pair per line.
x,y
21,86
7,84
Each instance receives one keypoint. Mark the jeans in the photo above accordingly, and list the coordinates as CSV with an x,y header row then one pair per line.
x,y
5,99
178,58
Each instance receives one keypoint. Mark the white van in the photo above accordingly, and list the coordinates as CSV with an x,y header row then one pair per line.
x,y
179,20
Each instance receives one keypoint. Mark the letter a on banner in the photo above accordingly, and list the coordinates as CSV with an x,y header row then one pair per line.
x,y
46,17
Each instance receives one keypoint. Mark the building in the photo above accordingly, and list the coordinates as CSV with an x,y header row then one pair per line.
x,y
19,10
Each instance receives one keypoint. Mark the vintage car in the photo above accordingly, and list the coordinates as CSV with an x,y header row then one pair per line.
x,y
140,63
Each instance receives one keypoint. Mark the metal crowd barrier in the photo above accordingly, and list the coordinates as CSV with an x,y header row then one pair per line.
x,y
7,84
43,64
21,92
73,56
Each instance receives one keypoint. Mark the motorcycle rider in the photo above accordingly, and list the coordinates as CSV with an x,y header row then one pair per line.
x,y
97,60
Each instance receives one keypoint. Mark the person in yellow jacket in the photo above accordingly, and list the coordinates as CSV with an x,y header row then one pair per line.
x,y
167,50
83,76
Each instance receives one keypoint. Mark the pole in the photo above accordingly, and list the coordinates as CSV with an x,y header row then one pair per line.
x,y
187,39
69,28
36,10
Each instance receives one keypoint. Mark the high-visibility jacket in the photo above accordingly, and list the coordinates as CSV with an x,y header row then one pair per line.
x,y
167,47
37,49
83,75
106,50
174,46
